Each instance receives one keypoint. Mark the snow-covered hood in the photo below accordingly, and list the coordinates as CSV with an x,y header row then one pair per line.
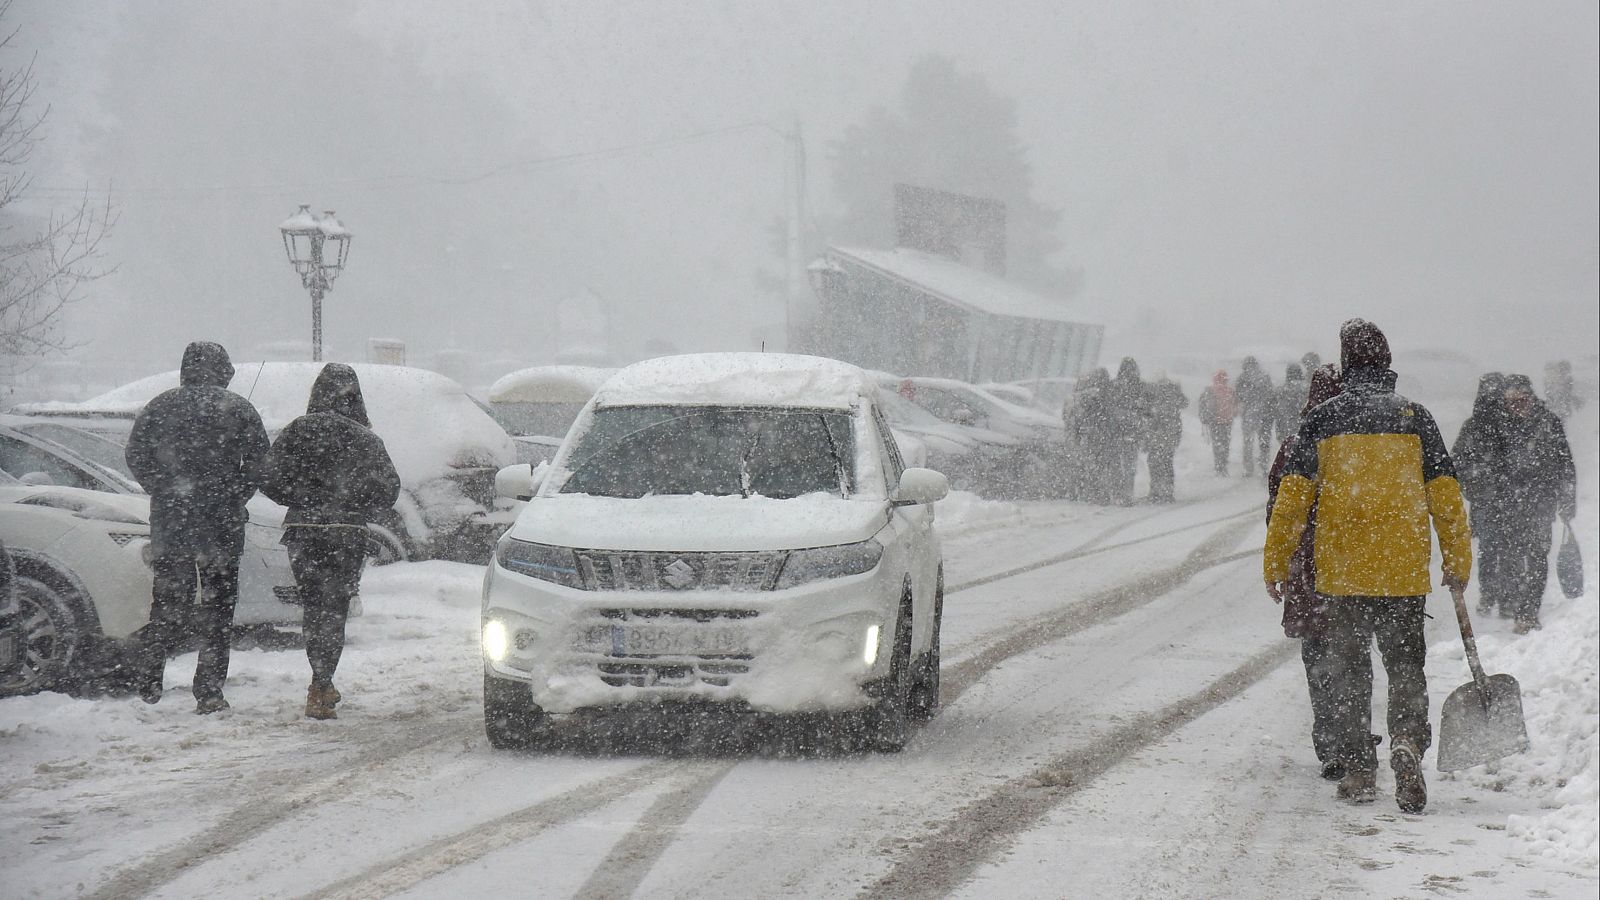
x,y
697,523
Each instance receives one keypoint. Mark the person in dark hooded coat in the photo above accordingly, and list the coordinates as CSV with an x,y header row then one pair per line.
x,y
197,450
1165,431
1257,414
1478,453
1291,400
1128,412
335,476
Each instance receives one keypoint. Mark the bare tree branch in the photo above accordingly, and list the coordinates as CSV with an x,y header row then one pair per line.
x,y
45,266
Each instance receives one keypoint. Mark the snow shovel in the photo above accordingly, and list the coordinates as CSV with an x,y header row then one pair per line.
x,y
1481,721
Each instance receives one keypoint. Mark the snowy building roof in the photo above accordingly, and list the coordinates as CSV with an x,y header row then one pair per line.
x,y
738,379
954,283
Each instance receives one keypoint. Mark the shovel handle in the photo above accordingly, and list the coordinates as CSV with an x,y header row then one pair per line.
x,y
1482,680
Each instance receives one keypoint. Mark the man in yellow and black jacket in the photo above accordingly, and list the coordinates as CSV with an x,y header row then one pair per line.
x,y
1378,470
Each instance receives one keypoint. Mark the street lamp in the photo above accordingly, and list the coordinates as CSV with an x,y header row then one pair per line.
x,y
317,248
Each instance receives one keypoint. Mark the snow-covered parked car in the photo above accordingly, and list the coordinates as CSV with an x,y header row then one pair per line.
x,y
445,447
11,630
42,451
725,527
536,406
83,575
1039,465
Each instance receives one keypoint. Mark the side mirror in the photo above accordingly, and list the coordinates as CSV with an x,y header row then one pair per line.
x,y
521,481
918,486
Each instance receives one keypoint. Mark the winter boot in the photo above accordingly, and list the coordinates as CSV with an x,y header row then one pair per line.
x,y
317,703
1333,770
332,695
1410,791
209,704
1358,786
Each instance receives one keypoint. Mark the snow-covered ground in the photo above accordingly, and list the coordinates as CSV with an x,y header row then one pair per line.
x,y
1123,718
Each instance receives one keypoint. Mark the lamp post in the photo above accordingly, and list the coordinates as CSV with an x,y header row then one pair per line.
x,y
317,248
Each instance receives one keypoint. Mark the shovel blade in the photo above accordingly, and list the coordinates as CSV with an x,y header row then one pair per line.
x,y
1473,732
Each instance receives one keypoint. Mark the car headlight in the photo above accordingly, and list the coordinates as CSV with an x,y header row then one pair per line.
x,y
541,561
820,563
496,640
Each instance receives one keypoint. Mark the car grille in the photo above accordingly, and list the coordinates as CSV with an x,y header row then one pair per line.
x,y
607,571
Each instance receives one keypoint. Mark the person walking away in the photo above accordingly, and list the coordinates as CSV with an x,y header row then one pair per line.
x,y
1128,409
1378,470
1310,361
1541,484
1290,401
1257,411
335,476
1559,394
1305,613
1479,454
1091,429
197,450
1165,431
1218,408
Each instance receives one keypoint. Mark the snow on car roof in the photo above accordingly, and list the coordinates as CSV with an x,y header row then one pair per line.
x,y
549,384
418,434
738,379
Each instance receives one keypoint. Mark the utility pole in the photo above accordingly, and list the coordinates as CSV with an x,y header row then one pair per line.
x,y
794,275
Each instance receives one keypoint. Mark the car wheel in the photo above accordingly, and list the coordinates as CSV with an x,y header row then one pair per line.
x,y
886,725
385,544
50,638
510,717
925,691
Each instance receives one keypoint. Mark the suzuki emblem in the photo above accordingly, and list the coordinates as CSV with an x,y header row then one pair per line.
x,y
679,574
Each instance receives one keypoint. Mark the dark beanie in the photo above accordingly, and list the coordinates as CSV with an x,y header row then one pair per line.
x,y
1362,346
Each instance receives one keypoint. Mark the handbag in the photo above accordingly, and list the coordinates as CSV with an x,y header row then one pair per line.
x,y
1569,564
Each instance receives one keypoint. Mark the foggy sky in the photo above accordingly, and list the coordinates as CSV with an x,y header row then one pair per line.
x,y
1233,175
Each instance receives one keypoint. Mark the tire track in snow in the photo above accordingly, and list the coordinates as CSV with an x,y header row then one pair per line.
x,y
1099,607
630,861
273,799
1092,547
981,829
419,864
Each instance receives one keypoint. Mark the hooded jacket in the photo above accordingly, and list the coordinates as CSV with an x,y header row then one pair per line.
x,y
328,467
1217,403
197,450
1377,468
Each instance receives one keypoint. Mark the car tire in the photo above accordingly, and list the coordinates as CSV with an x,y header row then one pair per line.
x,y
51,638
886,725
925,688
510,717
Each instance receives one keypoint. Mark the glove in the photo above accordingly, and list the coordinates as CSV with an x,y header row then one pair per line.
x,y
1275,590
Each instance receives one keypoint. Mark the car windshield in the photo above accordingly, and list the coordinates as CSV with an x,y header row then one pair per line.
x,y
634,451
901,411
101,451
522,419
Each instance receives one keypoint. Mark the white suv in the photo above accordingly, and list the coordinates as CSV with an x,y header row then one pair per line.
x,y
732,527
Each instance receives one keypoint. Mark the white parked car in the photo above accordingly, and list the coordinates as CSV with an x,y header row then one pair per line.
x,y
726,527
536,406
445,447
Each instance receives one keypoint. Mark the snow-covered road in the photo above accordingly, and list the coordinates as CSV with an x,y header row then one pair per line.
x,y
1123,718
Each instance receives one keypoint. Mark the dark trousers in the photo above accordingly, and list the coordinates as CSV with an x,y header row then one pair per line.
x,y
1161,473
328,576
1221,437
1396,624
191,595
1255,434
1319,681
1522,564
1121,477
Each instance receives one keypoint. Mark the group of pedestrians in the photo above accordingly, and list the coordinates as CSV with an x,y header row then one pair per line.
x,y
201,452
1352,494
1110,420
1262,409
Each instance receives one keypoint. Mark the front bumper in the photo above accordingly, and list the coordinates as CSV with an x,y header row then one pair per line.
x,y
802,649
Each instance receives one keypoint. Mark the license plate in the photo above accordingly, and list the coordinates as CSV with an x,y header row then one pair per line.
x,y
645,640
